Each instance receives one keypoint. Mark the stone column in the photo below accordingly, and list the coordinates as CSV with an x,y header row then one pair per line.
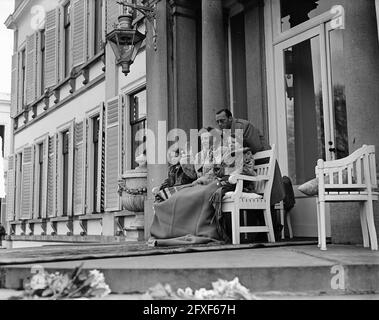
x,y
184,87
157,103
213,60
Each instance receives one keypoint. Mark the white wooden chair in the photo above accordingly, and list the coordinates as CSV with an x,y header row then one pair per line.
x,y
240,200
351,179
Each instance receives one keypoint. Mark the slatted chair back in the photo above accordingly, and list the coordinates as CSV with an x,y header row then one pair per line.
x,y
353,178
265,167
355,172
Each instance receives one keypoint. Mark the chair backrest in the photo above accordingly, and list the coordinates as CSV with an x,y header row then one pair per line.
x,y
265,166
355,172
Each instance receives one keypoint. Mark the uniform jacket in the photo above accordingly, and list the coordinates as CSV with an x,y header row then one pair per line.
x,y
253,139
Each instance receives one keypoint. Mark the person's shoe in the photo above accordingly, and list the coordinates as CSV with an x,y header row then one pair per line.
x,y
278,232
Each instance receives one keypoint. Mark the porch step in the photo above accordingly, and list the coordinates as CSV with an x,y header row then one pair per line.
x,y
340,270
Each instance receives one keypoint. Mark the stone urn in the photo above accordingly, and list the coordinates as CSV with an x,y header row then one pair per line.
x,y
133,192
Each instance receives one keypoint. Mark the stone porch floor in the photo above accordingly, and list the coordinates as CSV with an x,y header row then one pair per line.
x,y
300,272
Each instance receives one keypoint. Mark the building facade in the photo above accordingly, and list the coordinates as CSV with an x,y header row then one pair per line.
x,y
305,74
5,135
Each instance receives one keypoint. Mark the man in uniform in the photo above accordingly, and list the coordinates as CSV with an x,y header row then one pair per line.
x,y
253,139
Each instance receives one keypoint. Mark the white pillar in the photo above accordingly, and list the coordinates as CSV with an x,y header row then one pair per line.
x,y
213,60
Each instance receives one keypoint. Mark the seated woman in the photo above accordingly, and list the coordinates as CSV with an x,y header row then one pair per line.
x,y
188,216
179,174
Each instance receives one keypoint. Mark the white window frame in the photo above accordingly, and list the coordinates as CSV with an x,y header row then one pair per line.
x,y
90,115
21,99
129,90
18,179
91,29
280,36
44,139
40,90
62,42
70,126
274,37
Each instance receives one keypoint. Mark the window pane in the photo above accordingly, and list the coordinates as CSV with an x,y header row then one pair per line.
x,y
67,12
98,25
339,96
96,130
40,180
294,13
304,106
42,67
65,148
138,105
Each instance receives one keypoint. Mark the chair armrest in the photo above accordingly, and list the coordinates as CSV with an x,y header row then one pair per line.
x,y
234,178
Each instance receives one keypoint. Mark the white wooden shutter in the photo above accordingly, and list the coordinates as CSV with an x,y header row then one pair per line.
x,y
31,68
79,32
58,165
51,178
113,154
21,86
11,184
51,48
101,161
44,177
27,183
14,90
112,12
79,169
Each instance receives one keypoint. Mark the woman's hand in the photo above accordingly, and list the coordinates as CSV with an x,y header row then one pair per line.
x,y
201,181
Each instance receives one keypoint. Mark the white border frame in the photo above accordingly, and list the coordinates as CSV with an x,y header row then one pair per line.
x,y
90,115
70,126
44,139
127,91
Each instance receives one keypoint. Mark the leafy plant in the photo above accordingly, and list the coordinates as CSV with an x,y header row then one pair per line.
x,y
57,286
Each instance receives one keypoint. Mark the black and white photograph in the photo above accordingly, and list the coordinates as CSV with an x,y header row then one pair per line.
x,y
189,156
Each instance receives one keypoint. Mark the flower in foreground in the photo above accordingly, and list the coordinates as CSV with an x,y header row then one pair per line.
x,y
222,289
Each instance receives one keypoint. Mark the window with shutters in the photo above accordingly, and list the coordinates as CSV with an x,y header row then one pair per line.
x,y
138,112
95,159
65,170
18,184
31,70
39,179
27,183
65,149
14,90
78,18
22,77
79,168
95,155
67,38
10,198
42,47
51,48
98,26
41,167
114,151
51,177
